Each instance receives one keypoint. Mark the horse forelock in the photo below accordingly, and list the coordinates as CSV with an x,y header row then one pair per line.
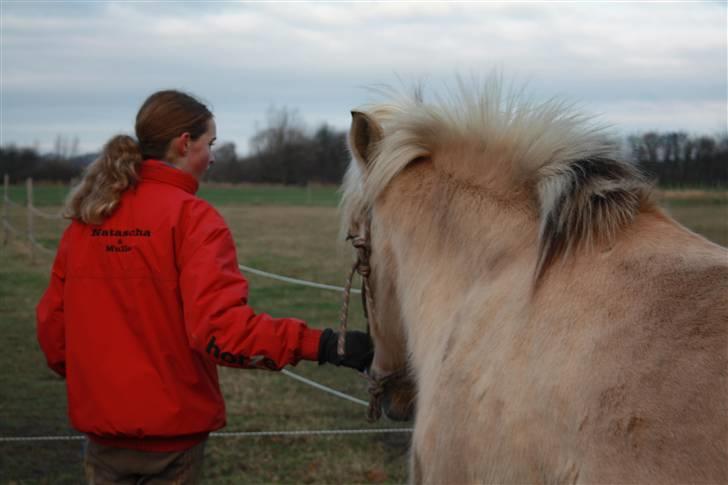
x,y
585,193
404,142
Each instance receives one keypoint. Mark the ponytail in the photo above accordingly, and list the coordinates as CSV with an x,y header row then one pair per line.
x,y
97,195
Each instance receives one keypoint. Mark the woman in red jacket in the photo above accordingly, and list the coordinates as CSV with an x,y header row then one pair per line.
x,y
146,299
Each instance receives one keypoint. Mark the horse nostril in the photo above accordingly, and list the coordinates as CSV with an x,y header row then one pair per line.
x,y
397,409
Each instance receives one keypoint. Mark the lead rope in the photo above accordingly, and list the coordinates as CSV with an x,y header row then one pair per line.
x,y
341,342
361,266
361,243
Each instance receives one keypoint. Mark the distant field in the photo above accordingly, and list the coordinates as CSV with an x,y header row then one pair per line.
x,y
217,194
316,195
43,195
289,231
704,211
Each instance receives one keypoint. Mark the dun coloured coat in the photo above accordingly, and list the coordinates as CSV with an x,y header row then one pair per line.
x,y
558,326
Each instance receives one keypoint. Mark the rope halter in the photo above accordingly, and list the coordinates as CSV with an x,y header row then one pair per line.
x,y
362,245
376,384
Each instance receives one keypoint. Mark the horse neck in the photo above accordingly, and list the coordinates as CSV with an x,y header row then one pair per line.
x,y
447,248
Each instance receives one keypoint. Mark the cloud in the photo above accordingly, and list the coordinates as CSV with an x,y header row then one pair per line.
x,y
702,117
76,65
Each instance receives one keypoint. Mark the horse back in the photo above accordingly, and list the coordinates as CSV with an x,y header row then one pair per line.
x,y
654,375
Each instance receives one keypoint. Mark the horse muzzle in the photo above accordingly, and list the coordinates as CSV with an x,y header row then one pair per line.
x,y
392,393
399,405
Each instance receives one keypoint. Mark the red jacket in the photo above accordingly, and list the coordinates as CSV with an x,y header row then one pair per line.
x,y
141,309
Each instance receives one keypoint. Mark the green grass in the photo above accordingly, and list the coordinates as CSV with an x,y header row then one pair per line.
x,y
43,194
711,201
32,400
705,212
270,195
316,195
275,233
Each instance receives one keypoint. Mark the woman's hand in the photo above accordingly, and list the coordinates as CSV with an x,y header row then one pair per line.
x,y
357,354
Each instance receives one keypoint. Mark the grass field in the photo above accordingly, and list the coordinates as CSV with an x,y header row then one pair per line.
x,y
282,230
217,194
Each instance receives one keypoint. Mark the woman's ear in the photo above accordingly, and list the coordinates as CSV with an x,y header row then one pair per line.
x,y
182,144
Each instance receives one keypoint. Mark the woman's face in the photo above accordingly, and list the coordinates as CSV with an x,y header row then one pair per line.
x,y
199,154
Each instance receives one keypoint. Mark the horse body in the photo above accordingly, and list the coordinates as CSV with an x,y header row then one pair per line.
x,y
558,327
609,373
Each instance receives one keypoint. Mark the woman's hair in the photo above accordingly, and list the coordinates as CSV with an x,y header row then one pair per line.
x,y
164,116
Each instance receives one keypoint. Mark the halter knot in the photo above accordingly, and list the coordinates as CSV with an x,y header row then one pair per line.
x,y
364,269
376,388
376,393
361,244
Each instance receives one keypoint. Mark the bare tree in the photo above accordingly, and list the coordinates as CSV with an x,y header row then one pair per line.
x,y
651,143
281,149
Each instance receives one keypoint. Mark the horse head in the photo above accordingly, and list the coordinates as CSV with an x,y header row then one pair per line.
x,y
391,385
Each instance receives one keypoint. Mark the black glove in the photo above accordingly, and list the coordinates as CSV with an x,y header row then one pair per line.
x,y
357,354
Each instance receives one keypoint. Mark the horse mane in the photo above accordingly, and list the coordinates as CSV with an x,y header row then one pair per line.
x,y
585,194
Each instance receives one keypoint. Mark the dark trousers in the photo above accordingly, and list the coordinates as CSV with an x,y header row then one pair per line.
x,y
106,465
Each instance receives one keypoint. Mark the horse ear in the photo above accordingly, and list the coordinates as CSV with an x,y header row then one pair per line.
x,y
363,135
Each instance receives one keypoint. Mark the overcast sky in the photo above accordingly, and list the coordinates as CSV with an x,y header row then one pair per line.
x,y
83,68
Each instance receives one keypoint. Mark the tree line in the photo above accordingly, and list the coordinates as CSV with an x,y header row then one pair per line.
x,y
285,152
677,159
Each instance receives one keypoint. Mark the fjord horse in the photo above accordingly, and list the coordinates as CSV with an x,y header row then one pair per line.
x,y
555,324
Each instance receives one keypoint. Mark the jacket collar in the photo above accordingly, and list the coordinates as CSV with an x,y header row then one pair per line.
x,y
160,171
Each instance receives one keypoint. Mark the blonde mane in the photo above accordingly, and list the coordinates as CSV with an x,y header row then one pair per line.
x,y
555,155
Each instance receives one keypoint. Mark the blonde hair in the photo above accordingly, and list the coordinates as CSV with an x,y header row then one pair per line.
x,y
98,194
162,117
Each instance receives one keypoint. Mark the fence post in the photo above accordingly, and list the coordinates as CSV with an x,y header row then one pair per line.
x,y
29,197
6,197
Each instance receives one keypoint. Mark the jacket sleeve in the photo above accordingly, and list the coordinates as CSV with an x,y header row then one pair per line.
x,y
50,322
219,322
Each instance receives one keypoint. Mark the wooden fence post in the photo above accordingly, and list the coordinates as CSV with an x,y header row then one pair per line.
x,y
29,197
6,197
